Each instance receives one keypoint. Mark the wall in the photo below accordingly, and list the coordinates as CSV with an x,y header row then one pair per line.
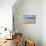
x,y
43,22
31,31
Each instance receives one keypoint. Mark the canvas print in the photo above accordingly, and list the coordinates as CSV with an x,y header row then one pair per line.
x,y
29,19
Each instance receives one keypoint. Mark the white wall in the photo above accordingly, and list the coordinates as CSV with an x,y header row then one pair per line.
x,y
31,31
6,13
34,31
43,22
